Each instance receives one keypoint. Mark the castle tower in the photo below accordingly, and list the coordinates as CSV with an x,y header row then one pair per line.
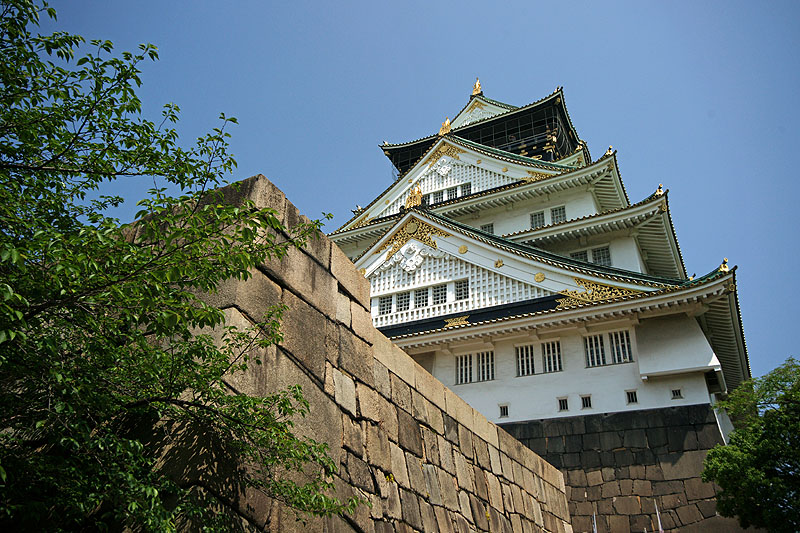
x,y
517,271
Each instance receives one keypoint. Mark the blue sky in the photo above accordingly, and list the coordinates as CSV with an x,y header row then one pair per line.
x,y
699,96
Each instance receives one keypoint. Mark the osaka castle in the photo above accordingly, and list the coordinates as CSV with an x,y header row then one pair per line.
x,y
515,268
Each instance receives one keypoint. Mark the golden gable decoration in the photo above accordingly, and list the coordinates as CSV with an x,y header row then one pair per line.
x,y
413,229
457,321
593,292
445,150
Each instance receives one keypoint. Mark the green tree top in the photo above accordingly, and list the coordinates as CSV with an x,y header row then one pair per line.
x,y
97,354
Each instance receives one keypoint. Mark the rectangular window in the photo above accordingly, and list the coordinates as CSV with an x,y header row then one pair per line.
x,y
462,289
580,256
631,396
421,297
601,256
452,193
537,219
551,356
484,366
525,360
488,228
586,402
466,189
503,411
595,350
620,344
563,404
463,369
558,214
403,300
677,394
384,305
439,294
437,197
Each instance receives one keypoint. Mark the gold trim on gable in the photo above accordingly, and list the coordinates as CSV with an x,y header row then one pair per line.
x,y
445,150
413,229
457,321
593,292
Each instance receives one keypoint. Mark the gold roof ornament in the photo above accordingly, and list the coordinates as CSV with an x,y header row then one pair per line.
x,y
414,198
724,266
476,89
445,127
610,150
660,189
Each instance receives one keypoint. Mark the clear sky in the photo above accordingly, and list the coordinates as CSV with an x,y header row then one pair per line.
x,y
699,96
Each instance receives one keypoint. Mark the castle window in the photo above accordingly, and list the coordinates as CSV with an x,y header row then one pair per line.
x,y
452,193
384,305
524,360
583,255
558,214
403,299
537,219
504,411
595,350
586,402
620,344
463,369
466,189
462,289
485,366
563,404
677,394
488,228
437,197
421,298
551,356
601,256
631,396
439,294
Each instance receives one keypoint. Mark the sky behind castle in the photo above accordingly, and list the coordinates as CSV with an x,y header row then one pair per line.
x,y
699,96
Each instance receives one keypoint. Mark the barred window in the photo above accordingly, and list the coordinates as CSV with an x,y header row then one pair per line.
x,y
403,299
437,197
466,189
620,344
452,193
537,219
485,366
601,256
677,394
462,289
421,297
463,369
503,411
595,350
439,294
563,404
551,356
586,402
525,360
384,305
583,255
558,214
631,396
488,228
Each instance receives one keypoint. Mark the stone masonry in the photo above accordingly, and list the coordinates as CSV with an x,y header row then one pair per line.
x,y
619,465
425,459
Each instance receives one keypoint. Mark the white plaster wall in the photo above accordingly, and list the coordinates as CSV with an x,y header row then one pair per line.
x,y
625,254
535,397
673,344
517,217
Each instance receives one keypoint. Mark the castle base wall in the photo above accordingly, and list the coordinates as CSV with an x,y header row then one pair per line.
x,y
620,465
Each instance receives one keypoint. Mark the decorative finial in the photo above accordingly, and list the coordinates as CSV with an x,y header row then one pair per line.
x,y
660,191
414,198
724,266
357,210
445,126
476,89
385,143
610,150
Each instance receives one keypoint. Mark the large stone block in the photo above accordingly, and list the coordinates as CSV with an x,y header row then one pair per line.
x,y
682,465
376,408
350,279
303,330
355,356
377,447
409,436
401,393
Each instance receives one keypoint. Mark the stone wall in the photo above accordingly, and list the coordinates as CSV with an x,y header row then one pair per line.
x,y
619,465
424,458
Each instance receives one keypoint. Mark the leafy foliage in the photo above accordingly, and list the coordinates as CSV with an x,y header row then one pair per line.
x,y
98,357
759,470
